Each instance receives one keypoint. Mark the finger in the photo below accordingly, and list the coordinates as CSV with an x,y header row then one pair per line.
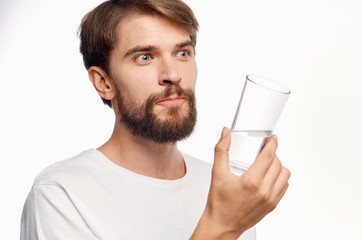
x,y
281,186
279,197
262,163
221,161
273,173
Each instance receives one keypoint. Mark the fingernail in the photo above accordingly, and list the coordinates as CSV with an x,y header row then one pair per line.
x,y
275,136
223,133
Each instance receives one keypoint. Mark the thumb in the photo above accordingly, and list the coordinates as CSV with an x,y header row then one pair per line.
x,y
221,160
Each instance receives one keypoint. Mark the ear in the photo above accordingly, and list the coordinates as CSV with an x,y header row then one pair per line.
x,y
101,82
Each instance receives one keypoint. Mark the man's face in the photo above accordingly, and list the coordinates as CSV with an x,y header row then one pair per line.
x,y
154,71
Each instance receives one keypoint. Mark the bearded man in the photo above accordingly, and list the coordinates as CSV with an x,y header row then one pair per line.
x,y
140,57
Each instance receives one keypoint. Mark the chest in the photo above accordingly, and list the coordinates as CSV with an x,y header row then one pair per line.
x,y
143,211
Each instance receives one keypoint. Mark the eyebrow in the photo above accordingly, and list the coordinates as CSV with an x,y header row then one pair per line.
x,y
140,49
185,44
148,48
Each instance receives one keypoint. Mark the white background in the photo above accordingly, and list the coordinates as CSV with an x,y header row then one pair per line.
x,y
49,110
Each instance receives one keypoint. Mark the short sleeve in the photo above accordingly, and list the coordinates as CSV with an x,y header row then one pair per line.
x,y
50,214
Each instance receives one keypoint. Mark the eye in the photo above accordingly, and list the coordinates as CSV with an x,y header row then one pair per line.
x,y
143,58
183,53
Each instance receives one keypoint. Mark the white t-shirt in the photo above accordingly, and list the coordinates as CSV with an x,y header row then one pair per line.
x,y
89,197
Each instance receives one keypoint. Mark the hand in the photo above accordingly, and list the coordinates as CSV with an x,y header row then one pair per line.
x,y
236,203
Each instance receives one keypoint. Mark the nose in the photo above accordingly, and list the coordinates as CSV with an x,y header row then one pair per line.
x,y
169,74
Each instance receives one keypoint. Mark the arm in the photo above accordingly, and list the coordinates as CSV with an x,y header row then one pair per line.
x,y
236,203
49,213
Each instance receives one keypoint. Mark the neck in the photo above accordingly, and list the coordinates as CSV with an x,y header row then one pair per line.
x,y
143,156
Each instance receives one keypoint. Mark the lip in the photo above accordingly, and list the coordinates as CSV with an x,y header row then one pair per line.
x,y
172,101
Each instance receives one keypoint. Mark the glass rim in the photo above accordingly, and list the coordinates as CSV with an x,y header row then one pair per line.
x,y
282,89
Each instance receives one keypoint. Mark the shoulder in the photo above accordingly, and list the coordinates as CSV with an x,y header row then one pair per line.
x,y
196,165
67,170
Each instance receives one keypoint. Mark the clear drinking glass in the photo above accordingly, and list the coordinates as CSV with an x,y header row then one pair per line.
x,y
261,103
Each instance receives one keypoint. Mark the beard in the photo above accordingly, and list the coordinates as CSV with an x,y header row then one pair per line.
x,y
142,121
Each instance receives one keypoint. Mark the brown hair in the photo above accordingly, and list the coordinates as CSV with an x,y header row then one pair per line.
x,y
98,30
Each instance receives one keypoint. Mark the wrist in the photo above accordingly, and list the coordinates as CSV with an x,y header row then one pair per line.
x,y
210,228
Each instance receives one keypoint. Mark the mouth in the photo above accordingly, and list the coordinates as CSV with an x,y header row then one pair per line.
x,y
171,101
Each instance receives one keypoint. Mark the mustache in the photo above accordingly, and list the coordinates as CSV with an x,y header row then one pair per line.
x,y
188,94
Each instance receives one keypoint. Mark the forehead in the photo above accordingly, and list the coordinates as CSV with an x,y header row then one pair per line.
x,y
144,29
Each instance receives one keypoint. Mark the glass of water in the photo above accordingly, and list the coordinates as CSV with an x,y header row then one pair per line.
x,y
261,103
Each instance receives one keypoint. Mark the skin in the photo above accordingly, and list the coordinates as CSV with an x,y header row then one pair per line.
x,y
235,203
139,74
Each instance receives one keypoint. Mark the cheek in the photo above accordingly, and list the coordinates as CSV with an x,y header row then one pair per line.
x,y
189,74
134,93
134,85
